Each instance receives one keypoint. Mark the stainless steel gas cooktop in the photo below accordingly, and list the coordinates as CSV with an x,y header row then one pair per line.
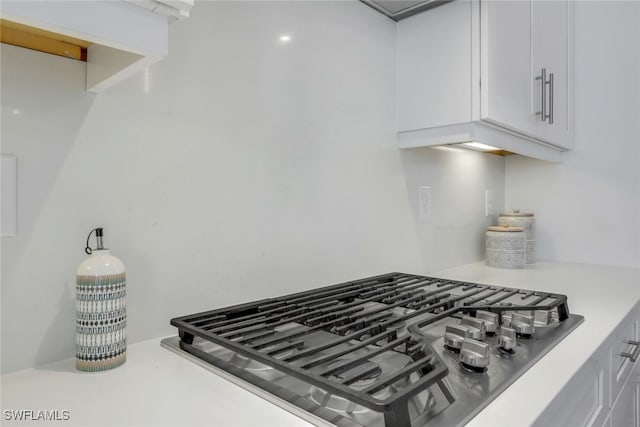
x,y
391,350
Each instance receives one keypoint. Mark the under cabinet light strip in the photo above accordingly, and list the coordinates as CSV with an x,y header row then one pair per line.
x,y
480,146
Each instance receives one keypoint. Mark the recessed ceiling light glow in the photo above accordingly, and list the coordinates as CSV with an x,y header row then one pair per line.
x,y
480,146
16,111
285,38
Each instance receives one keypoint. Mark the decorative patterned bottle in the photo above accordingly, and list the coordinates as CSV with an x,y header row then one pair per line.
x,y
101,313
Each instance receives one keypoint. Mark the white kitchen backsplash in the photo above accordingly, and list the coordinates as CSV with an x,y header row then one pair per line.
x,y
243,166
260,158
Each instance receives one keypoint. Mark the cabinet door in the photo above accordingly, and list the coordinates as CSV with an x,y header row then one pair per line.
x,y
550,49
626,412
584,400
434,67
506,79
621,367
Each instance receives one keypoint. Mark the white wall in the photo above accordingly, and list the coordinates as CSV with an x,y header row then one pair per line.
x,y
588,207
236,169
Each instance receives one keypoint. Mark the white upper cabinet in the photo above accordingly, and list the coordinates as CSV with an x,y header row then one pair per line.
x,y
432,91
507,81
472,71
551,50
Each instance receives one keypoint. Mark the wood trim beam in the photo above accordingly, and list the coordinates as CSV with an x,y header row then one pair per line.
x,y
44,41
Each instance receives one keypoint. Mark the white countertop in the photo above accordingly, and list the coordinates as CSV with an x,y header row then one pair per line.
x,y
155,387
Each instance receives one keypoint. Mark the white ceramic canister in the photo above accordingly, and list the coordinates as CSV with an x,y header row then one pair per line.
x,y
528,223
101,312
505,247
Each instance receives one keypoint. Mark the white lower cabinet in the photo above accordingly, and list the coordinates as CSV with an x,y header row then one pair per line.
x,y
625,381
584,401
606,390
626,411
621,350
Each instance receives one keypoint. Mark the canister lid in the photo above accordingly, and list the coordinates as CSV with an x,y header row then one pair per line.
x,y
516,212
505,227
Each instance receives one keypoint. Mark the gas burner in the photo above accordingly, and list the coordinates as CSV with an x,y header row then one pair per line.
x,y
374,313
248,364
337,403
401,312
372,372
340,404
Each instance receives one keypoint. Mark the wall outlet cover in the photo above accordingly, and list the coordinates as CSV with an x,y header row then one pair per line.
x,y
489,203
424,202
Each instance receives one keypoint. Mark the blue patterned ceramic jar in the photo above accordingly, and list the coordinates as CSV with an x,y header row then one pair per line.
x,y
505,247
101,312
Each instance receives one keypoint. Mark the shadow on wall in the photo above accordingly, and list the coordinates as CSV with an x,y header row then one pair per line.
x,y
41,119
452,230
57,336
44,108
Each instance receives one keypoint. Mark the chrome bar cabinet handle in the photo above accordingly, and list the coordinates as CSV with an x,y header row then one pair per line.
x,y
543,90
550,98
636,352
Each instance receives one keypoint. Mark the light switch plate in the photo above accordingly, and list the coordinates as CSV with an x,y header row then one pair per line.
x,y
9,196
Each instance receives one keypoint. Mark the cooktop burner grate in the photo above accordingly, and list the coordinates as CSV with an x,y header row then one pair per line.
x,y
363,320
